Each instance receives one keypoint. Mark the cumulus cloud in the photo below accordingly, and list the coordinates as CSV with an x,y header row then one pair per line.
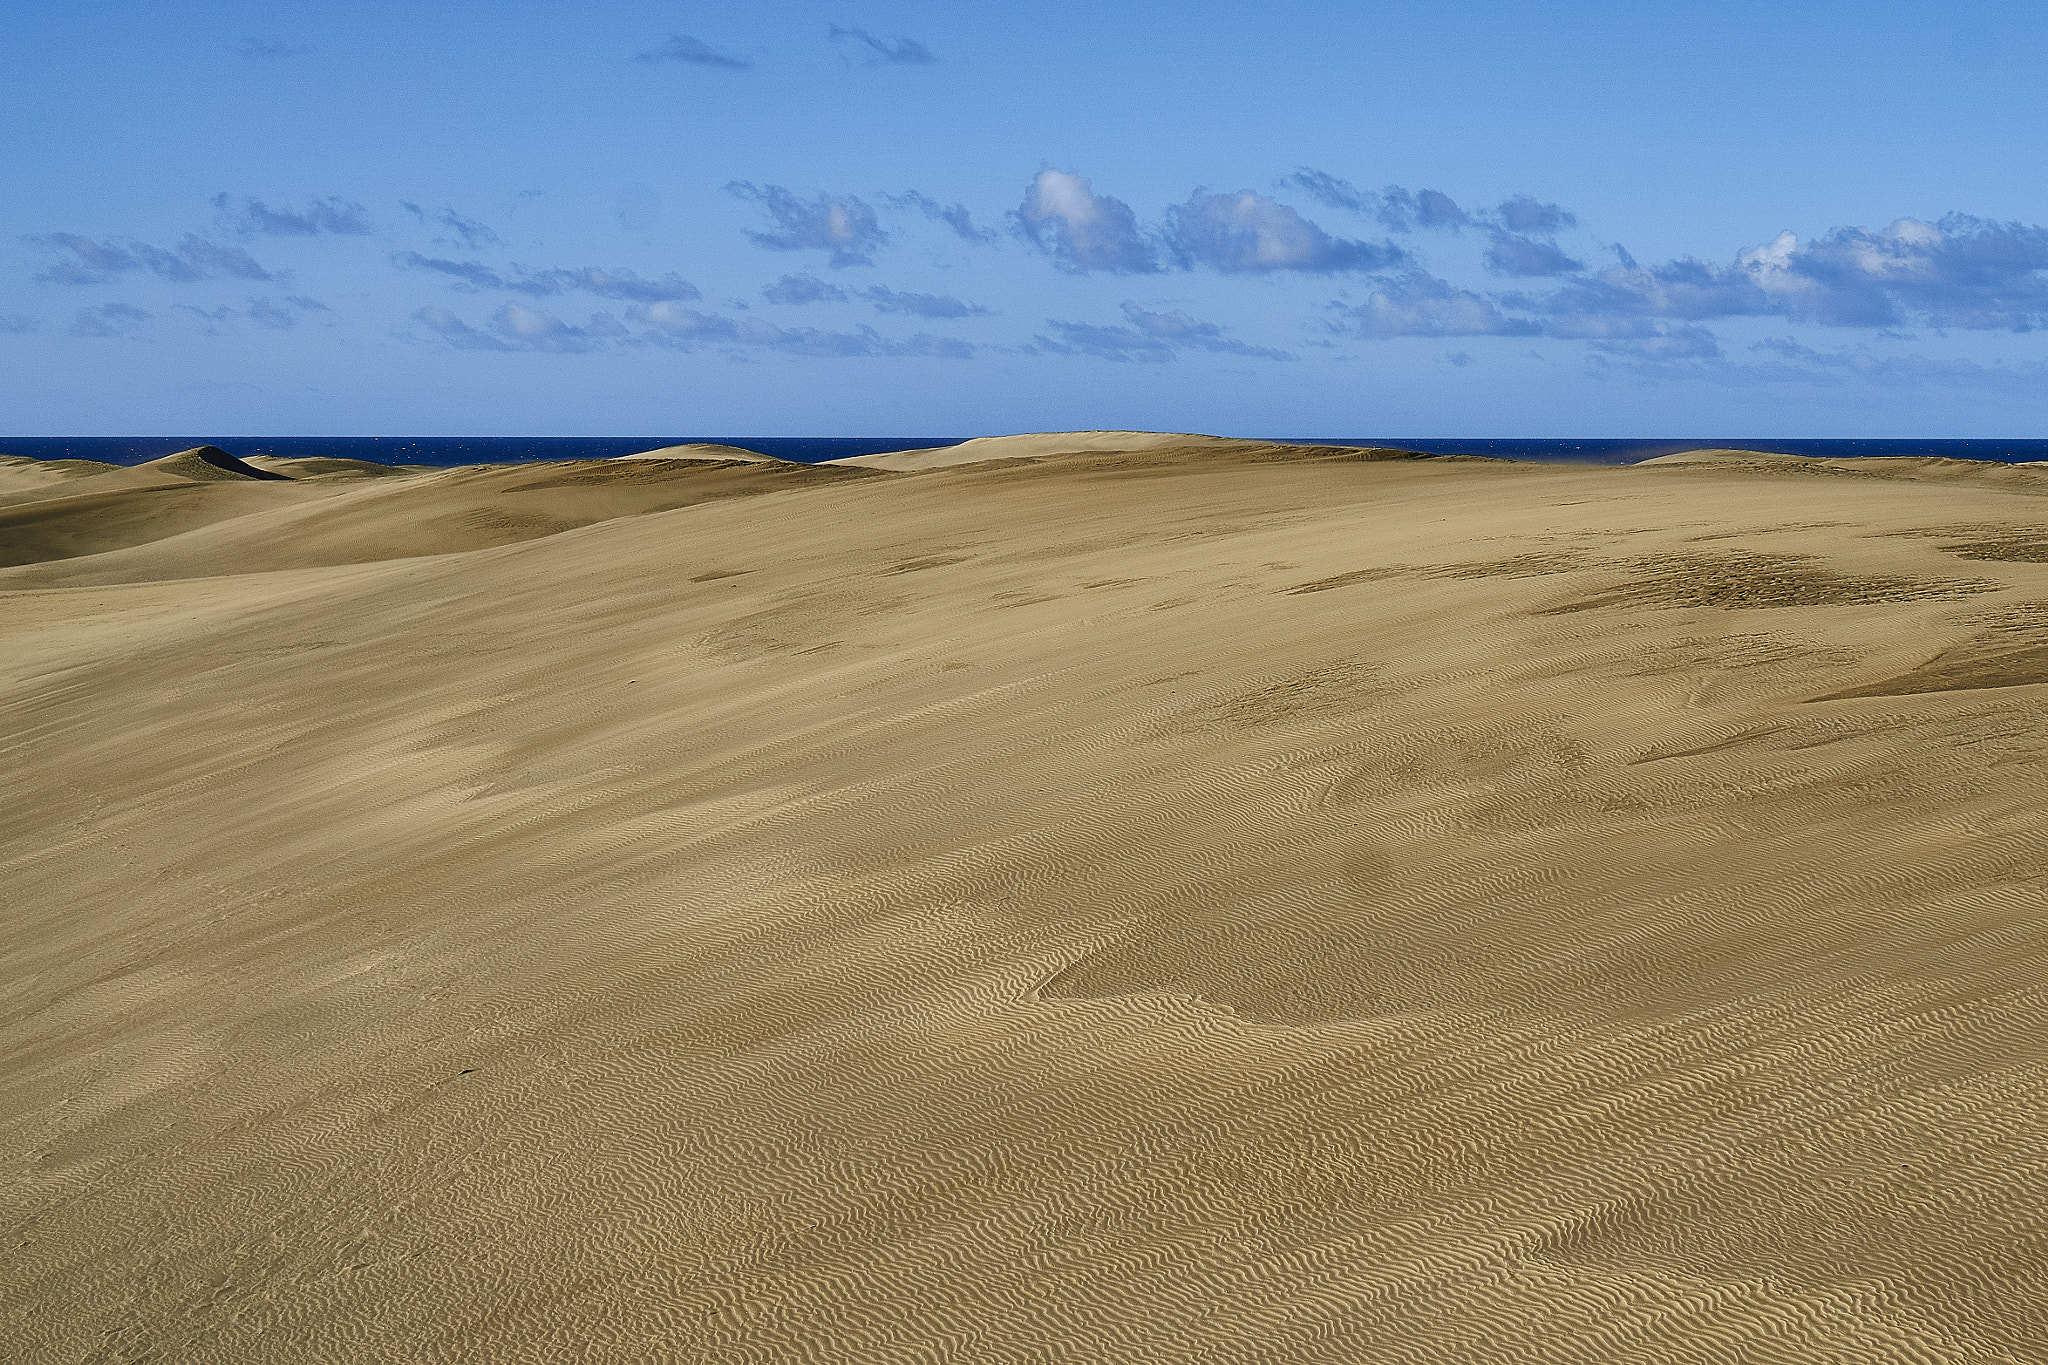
x,y
1080,229
1246,233
191,260
846,227
108,320
334,214
1150,338
472,232
622,284
804,288
954,216
680,47
1512,254
923,305
1416,304
875,52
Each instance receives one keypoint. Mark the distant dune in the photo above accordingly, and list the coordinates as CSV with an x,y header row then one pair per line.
x,y
1029,446
702,450
1102,896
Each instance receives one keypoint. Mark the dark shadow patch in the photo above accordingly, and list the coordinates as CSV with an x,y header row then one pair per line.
x,y
1742,581
927,562
2011,651
1345,580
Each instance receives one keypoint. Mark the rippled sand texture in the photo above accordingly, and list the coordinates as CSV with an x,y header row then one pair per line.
x,y
1222,904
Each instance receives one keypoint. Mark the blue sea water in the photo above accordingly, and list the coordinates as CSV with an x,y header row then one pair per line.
x,y
459,450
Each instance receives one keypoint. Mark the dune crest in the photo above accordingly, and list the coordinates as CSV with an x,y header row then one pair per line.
x,y
703,450
1029,446
208,464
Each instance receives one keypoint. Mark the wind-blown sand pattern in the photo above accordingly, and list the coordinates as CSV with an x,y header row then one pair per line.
x,y
1215,902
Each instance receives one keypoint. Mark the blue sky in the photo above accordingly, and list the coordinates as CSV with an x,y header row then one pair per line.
x,y
1422,219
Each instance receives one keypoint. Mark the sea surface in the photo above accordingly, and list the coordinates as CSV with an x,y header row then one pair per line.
x,y
459,450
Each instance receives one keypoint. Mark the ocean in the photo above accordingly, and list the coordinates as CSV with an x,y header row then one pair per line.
x,y
459,450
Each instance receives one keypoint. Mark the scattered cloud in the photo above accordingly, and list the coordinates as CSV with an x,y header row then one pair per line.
x,y
1524,214
474,273
1080,229
1398,210
805,288
193,259
923,305
1663,341
1104,343
1246,233
1961,272
333,214
1151,338
845,227
1402,211
258,47
680,47
456,332
1328,190
283,316
622,284
13,324
1181,330
529,329
673,325
1799,361
518,328
954,216
108,320
1512,254
472,233
261,311
875,52
1417,304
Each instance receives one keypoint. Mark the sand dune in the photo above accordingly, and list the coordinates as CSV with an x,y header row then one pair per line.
x,y
702,450
26,472
232,525
1222,902
330,467
209,464
1032,446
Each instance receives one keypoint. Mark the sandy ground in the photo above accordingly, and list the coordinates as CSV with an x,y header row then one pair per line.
x,y
1221,903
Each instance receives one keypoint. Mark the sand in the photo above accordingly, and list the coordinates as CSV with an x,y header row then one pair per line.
x,y
1220,903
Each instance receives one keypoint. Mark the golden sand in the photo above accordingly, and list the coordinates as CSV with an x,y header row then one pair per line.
x,y
1209,902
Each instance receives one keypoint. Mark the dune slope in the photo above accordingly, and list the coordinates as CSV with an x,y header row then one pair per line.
x,y
1218,907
